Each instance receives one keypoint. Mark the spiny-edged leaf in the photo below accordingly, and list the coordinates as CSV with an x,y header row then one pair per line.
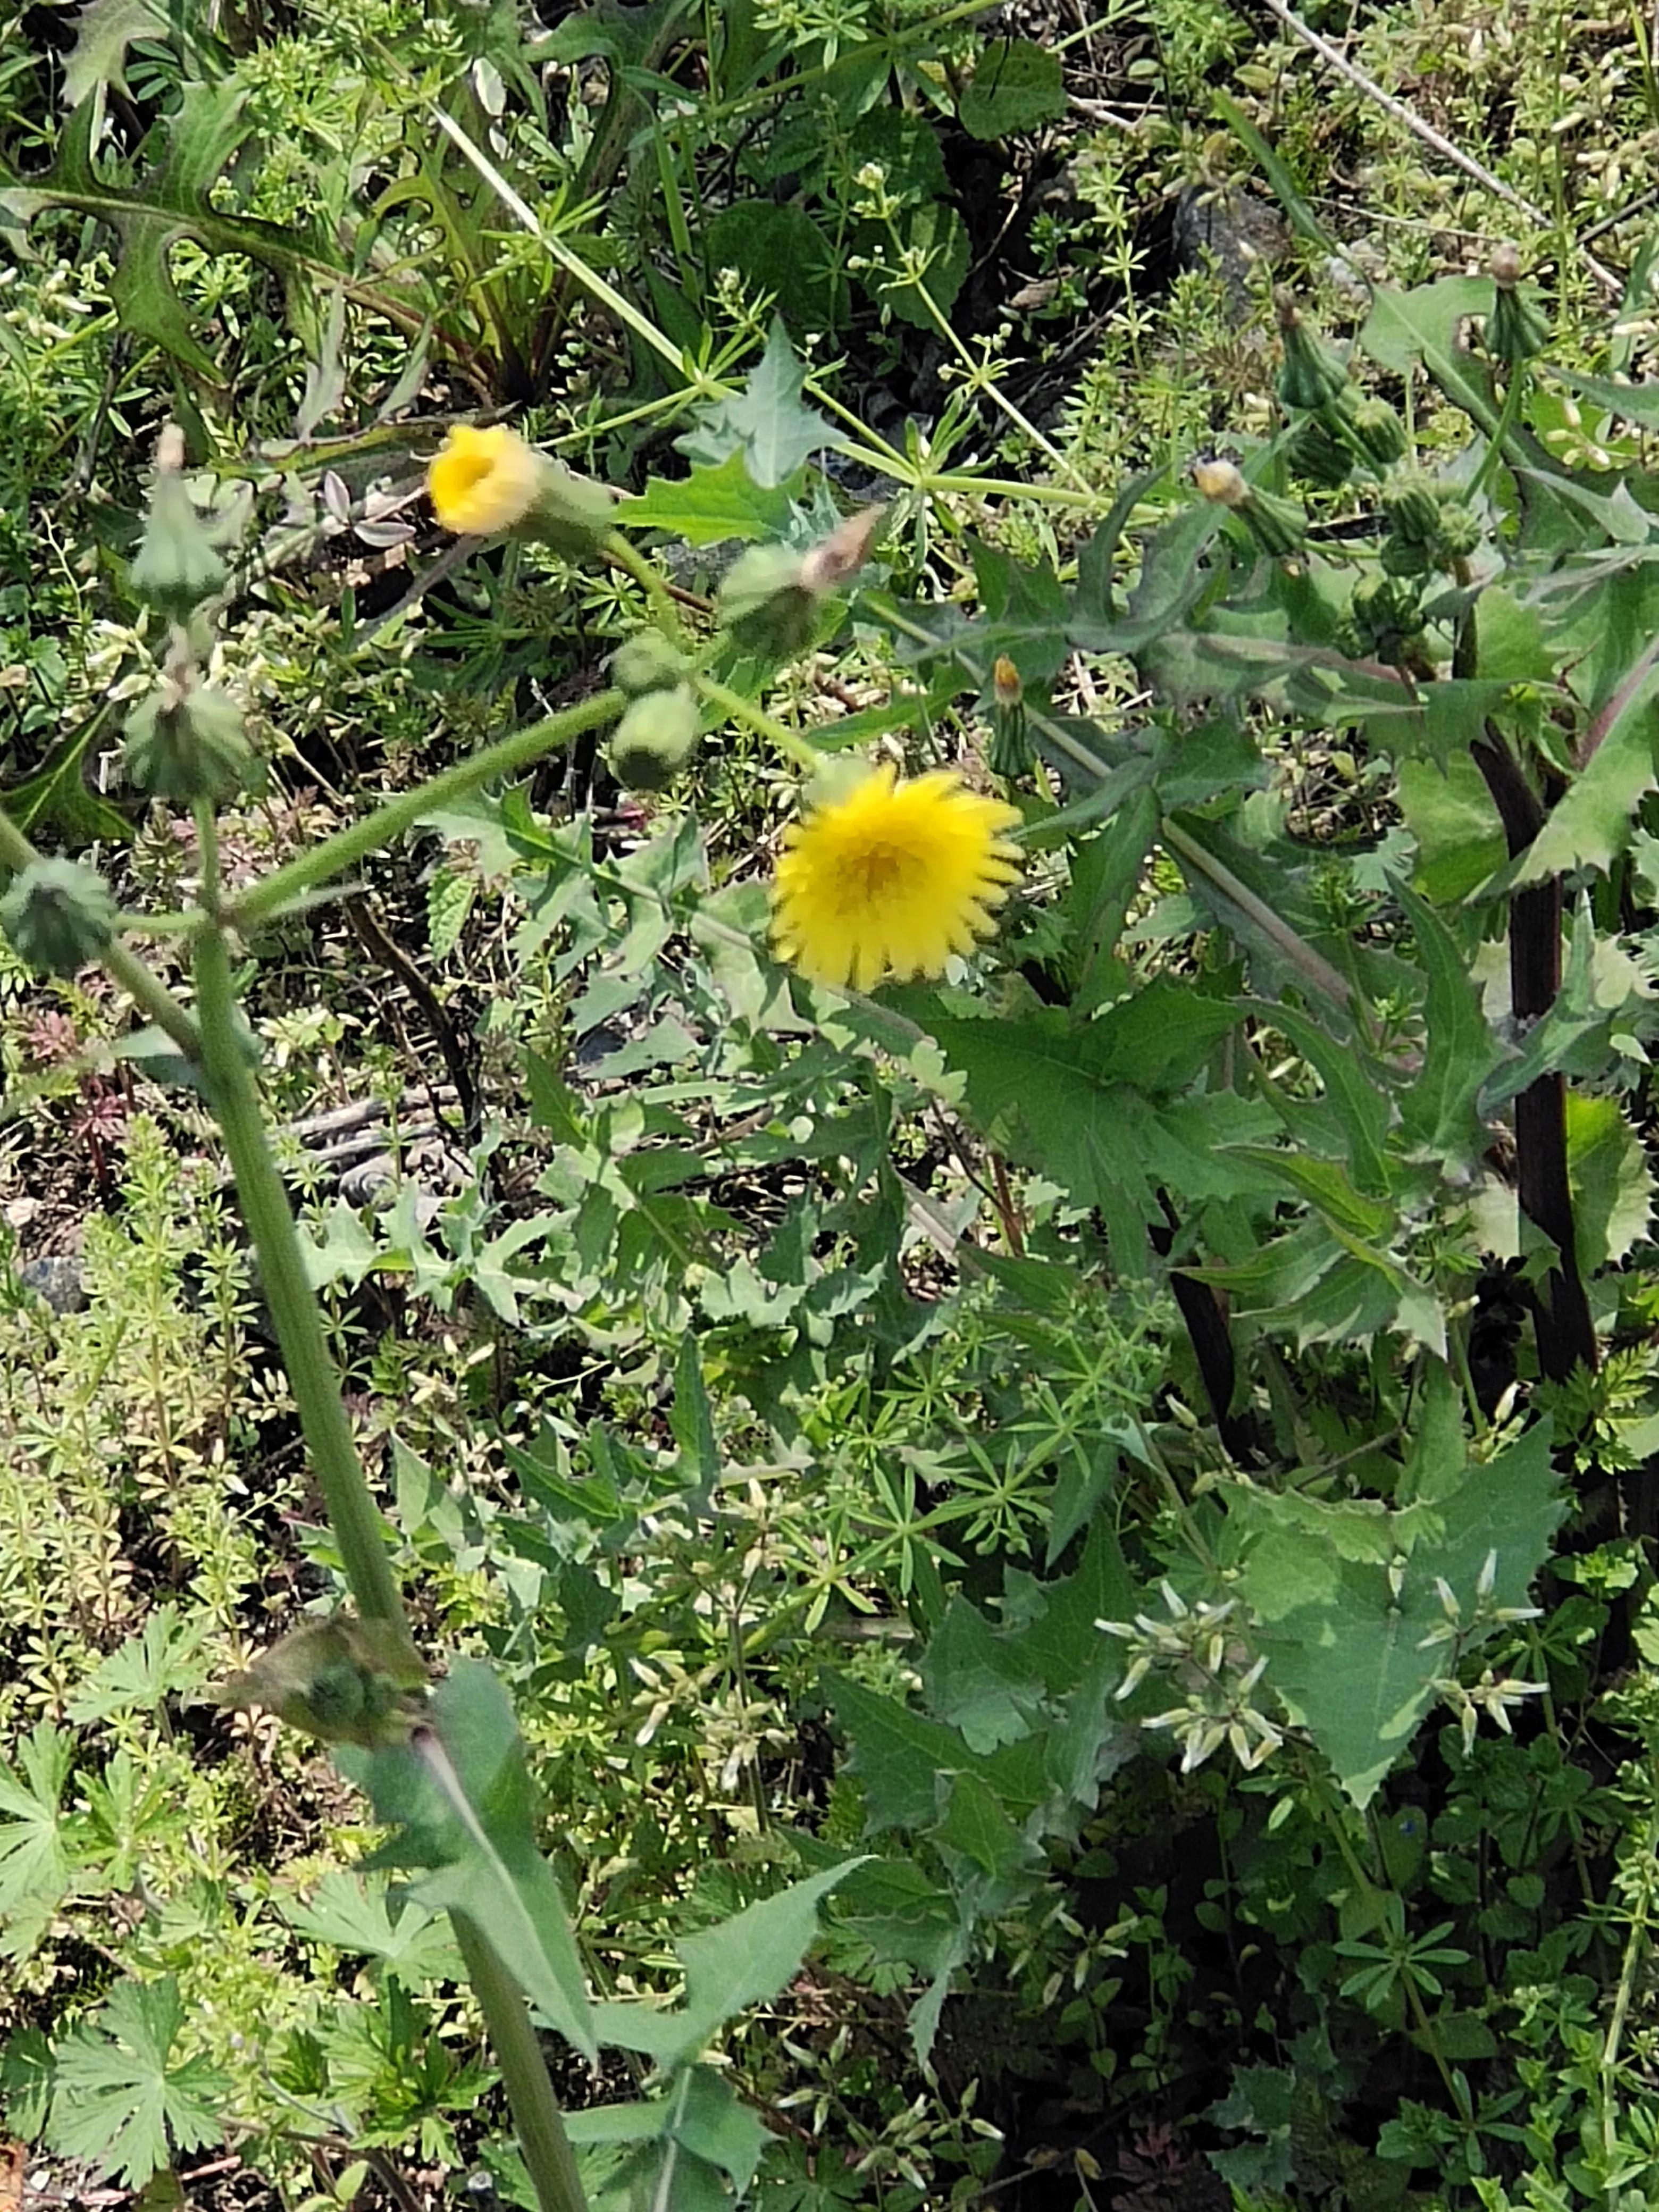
x,y
352,1912
977,1828
1449,811
742,1962
1460,1050
1612,1189
1423,325
1024,614
768,422
461,1797
1325,1185
1172,580
483,820
713,504
173,200
1551,1041
1592,825
36,1869
55,795
1016,85
104,30
1343,1610
121,2099
976,1683
1352,1118
449,897
896,1755
344,1252
691,1418
1056,1635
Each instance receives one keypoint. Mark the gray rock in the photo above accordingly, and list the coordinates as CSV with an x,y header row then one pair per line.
x,y
1238,233
59,1278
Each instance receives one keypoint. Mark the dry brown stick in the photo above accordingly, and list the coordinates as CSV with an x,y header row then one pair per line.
x,y
1336,59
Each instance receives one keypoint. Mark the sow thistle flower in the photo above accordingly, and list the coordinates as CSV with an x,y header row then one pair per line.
x,y
484,482
889,877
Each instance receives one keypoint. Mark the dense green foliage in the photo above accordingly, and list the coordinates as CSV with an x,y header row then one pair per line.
x,y
1039,1581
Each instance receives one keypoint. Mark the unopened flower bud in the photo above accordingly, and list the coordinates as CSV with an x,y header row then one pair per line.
x,y
1312,375
176,565
1411,501
766,603
1312,455
1460,531
1376,429
185,743
654,739
648,661
58,915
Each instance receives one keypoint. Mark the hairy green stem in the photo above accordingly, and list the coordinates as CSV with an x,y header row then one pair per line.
x,y
140,983
537,2119
310,871
352,1513
791,743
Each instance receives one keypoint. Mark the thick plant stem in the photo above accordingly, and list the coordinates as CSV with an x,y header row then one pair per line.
x,y
537,2119
310,871
352,1513
142,984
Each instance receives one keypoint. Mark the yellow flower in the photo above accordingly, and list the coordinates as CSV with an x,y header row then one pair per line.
x,y
484,480
891,879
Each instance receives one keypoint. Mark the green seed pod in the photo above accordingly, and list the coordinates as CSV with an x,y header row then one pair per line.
x,y
1376,431
571,514
1400,557
766,603
1410,499
187,745
1460,531
1278,525
342,1680
58,915
1312,375
178,565
1313,456
1385,614
654,739
648,661
1517,327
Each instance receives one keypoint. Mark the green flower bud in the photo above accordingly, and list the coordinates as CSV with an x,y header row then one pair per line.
x,y
1460,531
1312,455
571,514
654,739
1376,431
648,661
1401,556
185,744
1411,501
58,915
178,565
766,605
1386,614
342,1681
1312,375
1517,327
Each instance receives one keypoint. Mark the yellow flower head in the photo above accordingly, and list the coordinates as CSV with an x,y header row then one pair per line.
x,y
891,879
484,480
